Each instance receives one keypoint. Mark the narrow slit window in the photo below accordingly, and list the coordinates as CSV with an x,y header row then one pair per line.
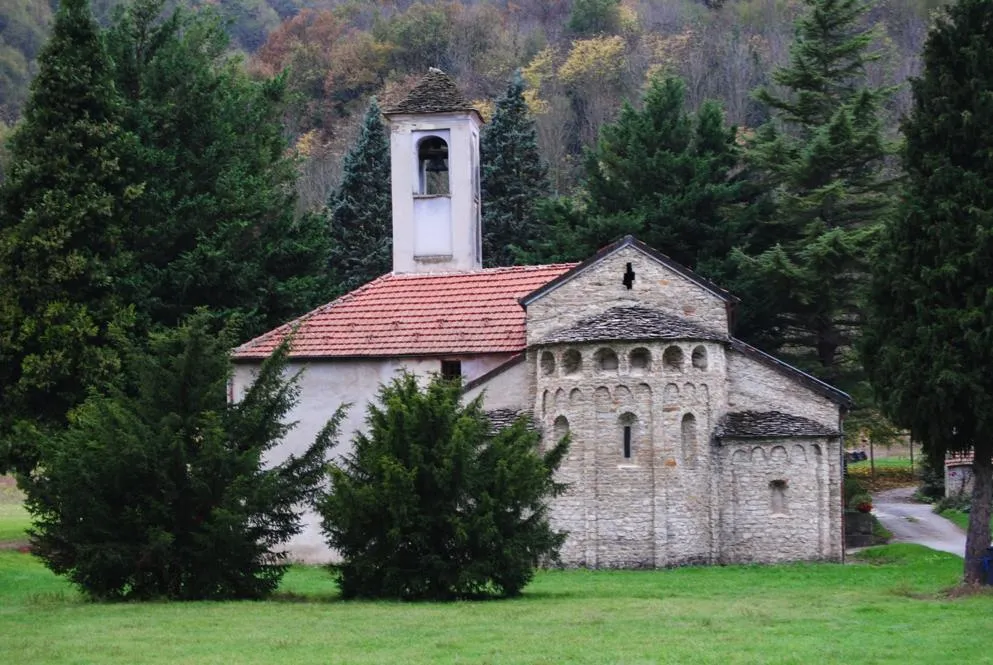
x,y
777,498
627,442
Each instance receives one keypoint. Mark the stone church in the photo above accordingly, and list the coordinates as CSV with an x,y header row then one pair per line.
x,y
688,446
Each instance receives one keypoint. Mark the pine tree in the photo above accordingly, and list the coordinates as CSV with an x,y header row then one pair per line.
x,y
433,505
822,162
216,226
928,345
161,489
360,210
63,208
659,173
514,177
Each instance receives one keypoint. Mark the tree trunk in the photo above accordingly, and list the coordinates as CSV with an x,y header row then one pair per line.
x,y
978,537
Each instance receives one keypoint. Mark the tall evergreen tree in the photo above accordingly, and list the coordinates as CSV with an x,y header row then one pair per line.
x,y
162,489
928,345
215,227
822,162
660,173
513,177
63,208
360,210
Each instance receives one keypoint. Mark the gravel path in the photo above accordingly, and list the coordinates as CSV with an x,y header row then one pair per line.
x,y
912,522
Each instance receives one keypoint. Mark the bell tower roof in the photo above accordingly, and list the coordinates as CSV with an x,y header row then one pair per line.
x,y
435,93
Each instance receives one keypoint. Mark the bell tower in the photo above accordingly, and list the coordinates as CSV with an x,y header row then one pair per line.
x,y
434,167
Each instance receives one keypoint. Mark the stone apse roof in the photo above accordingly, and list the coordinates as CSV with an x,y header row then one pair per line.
x,y
415,315
761,424
630,324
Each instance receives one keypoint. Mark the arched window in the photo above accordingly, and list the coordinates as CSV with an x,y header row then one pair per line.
x,y
640,359
777,497
432,166
627,422
673,358
560,428
688,429
547,363
699,358
606,359
572,361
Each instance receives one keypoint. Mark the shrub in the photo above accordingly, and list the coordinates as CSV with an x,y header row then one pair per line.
x,y
159,490
932,487
432,504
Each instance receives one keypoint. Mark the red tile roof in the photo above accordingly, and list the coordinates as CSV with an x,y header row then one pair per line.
x,y
413,315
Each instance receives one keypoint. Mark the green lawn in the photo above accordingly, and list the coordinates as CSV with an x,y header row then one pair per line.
x,y
887,463
960,518
13,517
887,608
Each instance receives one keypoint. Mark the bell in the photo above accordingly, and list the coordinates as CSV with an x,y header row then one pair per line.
x,y
436,165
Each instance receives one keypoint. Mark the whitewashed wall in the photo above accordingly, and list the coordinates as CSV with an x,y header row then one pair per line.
x,y
326,385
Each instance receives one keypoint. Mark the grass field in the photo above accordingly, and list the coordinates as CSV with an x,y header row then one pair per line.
x,y
960,518
887,608
13,517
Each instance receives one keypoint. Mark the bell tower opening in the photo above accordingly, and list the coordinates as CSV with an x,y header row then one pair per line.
x,y
432,163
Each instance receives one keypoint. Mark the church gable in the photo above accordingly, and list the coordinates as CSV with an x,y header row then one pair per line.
x,y
624,275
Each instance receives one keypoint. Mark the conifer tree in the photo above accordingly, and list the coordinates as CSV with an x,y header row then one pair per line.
x,y
928,345
216,226
513,177
63,207
431,504
360,210
161,489
822,162
659,173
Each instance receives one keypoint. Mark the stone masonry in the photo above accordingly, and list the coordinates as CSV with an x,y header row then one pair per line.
x,y
688,446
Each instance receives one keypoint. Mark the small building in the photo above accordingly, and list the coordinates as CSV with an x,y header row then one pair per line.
x,y
688,445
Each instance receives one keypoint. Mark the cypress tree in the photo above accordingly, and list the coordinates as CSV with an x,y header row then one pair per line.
x,y
360,210
660,173
215,227
513,177
63,208
432,504
161,490
928,345
821,162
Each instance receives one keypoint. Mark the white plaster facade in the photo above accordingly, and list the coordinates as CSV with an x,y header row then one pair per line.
x,y
324,386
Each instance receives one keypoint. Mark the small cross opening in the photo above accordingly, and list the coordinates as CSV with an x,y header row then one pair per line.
x,y
628,277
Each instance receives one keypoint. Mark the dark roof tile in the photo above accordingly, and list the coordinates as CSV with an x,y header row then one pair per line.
x,y
759,424
630,324
435,93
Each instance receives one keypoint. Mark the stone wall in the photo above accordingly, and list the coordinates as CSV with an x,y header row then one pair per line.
x,y
651,508
958,478
753,386
779,500
680,498
600,287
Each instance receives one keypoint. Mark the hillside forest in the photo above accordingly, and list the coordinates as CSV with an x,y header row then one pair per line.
x,y
580,59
